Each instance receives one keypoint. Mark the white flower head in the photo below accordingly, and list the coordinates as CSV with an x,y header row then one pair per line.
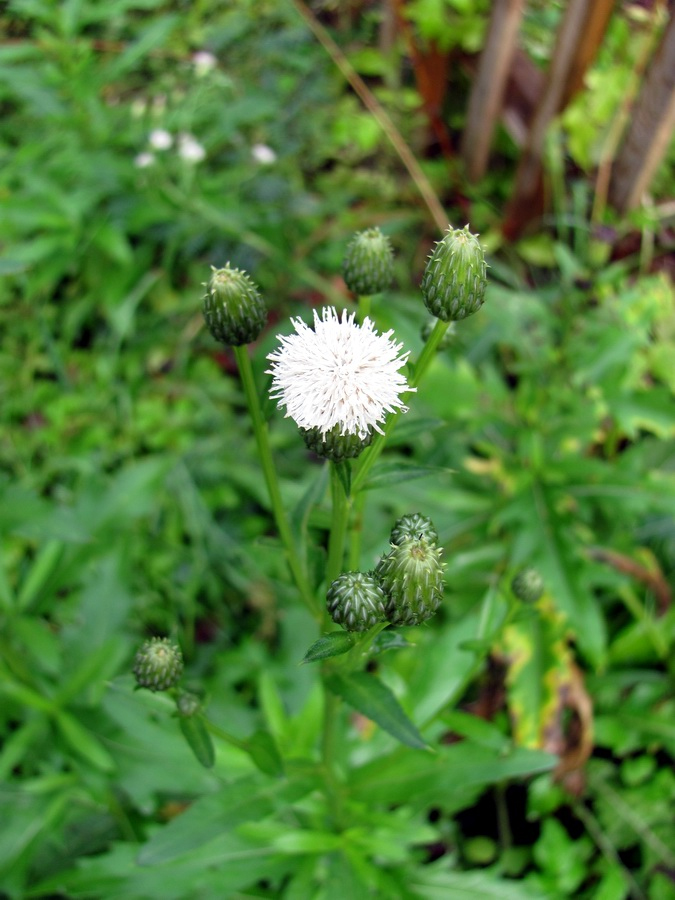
x,y
203,61
143,160
190,149
160,139
263,154
338,374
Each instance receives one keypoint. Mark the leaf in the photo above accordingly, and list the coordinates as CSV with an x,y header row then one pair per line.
x,y
207,818
83,742
539,662
455,772
334,644
263,750
369,696
436,883
392,474
199,740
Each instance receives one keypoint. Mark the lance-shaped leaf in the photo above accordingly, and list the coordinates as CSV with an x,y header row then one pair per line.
x,y
334,644
369,696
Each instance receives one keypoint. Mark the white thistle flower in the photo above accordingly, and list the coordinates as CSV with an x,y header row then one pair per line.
x,y
160,139
143,160
338,374
203,61
190,149
263,154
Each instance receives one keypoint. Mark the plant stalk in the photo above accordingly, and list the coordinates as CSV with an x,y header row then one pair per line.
x,y
271,480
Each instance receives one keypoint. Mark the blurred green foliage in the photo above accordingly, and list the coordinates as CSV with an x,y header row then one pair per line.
x,y
131,501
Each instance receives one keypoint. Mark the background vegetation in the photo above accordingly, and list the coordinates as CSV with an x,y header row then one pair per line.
x,y
131,502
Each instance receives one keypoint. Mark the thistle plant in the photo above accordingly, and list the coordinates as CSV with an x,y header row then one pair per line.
x,y
345,384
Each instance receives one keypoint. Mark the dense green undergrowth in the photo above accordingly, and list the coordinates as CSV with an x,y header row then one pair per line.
x,y
131,500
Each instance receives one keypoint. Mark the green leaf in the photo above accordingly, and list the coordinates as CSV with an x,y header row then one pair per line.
x,y
199,740
83,742
333,644
263,750
40,574
391,474
207,818
369,696
458,771
437,883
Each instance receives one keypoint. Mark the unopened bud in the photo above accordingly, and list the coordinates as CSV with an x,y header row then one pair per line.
x,y
356,601
368,266
411,576
414,525
158,664
454,280
233,309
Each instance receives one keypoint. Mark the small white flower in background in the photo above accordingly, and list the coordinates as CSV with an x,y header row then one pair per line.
x,y
190,149
263,154
338,373
143,160
160,139
203,61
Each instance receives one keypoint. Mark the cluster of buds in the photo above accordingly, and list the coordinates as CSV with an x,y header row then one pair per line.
x,y
406,587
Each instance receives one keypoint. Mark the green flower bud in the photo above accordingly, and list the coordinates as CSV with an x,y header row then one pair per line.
x,y
454,281
446,340
188,705
411,576
355,600
233,309
414,525
334,445
368,266
528,585
158,664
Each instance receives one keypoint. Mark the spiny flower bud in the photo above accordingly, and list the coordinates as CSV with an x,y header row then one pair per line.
x,y
411,576
333,445
454,281
414,525
355,600
158,664
368,266
528,585
233,309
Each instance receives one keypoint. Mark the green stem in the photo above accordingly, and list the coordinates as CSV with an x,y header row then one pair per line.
x,y
370,456
338,530
271,480
225,735
331,705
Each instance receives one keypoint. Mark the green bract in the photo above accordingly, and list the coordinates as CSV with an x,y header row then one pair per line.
x,y
158,664
233,309
355,600
454,280
368,266
414,525
333,445
411,576
528,585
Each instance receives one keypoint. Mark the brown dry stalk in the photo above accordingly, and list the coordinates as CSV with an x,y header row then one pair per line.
x,y
380,115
